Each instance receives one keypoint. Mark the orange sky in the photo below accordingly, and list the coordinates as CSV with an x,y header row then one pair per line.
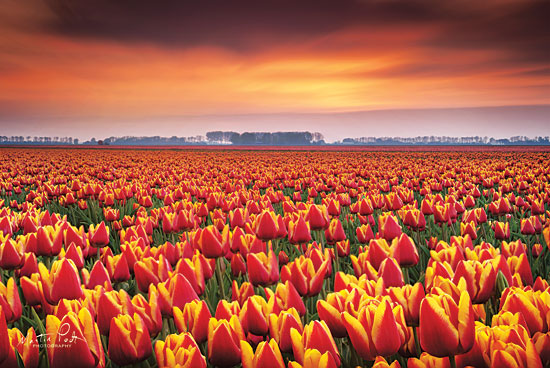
x,y
49,71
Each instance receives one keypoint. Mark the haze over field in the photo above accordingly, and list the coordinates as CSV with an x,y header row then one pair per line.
x,y
346,68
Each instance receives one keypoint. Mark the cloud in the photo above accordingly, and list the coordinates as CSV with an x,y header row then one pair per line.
x,y
518,27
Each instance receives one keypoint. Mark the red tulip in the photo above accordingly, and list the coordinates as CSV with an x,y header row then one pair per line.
x,y
129,341
316,335
224,342
446,328
389,227
267,355
263,269
74,341
179,351
61,282
194,319
98,235
280,326
335,232
299,232
404,251
10,301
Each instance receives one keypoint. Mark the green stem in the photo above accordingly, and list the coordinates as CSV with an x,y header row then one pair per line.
x,y
219,276
406,275
452,361
417,348
336,259
488,313
165,329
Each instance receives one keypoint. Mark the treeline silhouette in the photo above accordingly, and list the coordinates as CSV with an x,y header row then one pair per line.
x,y
304,138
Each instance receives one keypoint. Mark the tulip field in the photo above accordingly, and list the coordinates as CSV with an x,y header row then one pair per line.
x,y
274,258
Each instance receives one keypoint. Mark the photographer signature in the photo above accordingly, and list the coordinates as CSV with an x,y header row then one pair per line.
x,y
63,337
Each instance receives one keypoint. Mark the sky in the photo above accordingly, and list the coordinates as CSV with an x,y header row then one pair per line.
x,y
345,68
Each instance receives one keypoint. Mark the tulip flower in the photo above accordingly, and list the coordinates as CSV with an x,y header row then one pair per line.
x,y
174,292
10,301
98,235
330,311
149,311
409,297
61,282
480,279
224,341
316,335
74,253
468,228
364,234
285,297
500,207
501,346
25,346
303,275
389,227
194,319
110,305
267,355
317,217
74,341
377,330
283,258
542,345
446,328
266,225
211,243
111,214
4,337
192,270
314,359
254,316
390,273
502,230
404,251
11,254
263,269
533,306
179,350
335,232
428,361
49,240
280,326
415,219
151,271
299,231
129,341
98,276
238,266
241,293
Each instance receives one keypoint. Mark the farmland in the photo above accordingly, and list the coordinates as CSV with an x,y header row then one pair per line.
x,y
275,258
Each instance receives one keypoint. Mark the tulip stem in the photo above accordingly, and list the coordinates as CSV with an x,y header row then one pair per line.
x,y
336,259
219,276
452,361
488,312
417,348
406,275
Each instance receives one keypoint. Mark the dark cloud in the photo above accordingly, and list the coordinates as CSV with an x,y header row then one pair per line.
x,y
518,28
521,29
240,24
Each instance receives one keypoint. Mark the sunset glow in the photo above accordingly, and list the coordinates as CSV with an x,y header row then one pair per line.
x,y
57,65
